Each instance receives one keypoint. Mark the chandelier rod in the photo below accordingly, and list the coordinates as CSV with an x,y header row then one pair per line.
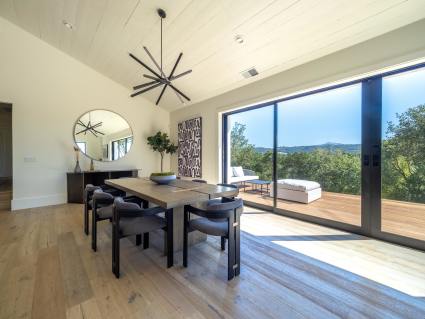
x,y
161,44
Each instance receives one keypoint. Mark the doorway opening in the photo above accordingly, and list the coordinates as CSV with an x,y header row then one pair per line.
x,y
5,156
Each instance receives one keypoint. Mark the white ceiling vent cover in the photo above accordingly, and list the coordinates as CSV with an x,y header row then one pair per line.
x,y
249,73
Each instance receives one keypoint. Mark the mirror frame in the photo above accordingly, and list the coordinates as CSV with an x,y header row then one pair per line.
x,y
88,156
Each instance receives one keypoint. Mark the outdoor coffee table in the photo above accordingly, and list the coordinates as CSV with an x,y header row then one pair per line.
x,y
258,184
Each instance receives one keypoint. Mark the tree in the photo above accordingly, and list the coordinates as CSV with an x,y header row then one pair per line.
x,y
162,144
403,156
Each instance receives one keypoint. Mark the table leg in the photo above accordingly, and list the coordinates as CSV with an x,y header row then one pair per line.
x,y
170,238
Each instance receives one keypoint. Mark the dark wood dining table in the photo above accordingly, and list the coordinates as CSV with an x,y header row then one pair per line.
x,y
172,198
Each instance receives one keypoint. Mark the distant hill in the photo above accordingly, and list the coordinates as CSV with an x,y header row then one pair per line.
x,y
349,148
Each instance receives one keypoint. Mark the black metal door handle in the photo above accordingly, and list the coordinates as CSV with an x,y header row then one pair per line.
x,y
366,160
375,160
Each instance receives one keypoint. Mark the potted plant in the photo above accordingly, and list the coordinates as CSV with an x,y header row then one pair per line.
x,y
161,143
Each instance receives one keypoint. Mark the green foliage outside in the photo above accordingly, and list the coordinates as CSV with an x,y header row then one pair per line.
x,y
403,165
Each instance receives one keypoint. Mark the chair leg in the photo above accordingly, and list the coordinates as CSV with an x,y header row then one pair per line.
x,y
94,230
145,240
117,258
170,238
238,243
86,219
138,239
231,249
115,251
185,236
223,243
113,248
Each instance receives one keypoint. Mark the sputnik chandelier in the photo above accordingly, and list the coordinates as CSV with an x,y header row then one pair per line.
x,y
159,79
89,127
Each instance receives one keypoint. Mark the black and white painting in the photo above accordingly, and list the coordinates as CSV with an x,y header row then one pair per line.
x,y
190,148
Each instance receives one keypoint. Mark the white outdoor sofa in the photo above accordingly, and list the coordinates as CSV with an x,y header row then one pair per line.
x,y
297,190
240,175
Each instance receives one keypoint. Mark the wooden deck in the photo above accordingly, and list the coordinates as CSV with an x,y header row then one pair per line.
x,y
290,269
401,218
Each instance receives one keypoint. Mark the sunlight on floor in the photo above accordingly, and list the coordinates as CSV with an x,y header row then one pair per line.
x,y
397,267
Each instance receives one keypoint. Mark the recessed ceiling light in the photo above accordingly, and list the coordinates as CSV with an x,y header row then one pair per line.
x,y
239,39
67,24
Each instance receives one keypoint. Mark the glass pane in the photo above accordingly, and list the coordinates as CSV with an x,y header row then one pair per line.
x,y
129,143
250,152
403,154
115,150
318,160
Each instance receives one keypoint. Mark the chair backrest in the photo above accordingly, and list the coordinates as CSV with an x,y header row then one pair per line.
x,y
123,208
199,181
220,210
103,198
126,208
88,191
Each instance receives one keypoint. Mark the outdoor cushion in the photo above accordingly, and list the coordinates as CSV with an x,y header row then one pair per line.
x,y
297,184
238,171
207,226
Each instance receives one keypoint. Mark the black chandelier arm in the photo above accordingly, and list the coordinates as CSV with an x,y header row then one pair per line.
x,y
180,75
98,132
145,84
162,80
154,62
145,66
160,95
145,90
85,130
175,65
178,91
92,133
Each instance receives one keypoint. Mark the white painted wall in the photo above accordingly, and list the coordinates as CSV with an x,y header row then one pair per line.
x,y
399,46
49,90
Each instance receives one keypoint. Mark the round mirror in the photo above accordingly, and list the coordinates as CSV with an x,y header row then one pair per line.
x,y
103,135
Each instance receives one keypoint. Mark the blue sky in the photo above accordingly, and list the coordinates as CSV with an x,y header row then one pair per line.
x,y
331,116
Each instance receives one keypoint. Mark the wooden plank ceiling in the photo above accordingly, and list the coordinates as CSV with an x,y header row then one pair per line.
x,y
278,34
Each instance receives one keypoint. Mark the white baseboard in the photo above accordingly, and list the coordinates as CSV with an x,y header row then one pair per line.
x,y
30,202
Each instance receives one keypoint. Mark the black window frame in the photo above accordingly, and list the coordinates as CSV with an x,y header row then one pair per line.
x,y
125,139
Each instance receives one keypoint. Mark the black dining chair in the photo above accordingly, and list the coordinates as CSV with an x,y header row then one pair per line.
x,y
216,219
130,219
199,181
88,204
103,209
225,199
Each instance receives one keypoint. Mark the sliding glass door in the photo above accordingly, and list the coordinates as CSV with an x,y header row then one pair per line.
x,y
250,153
403,154
350,156
318,155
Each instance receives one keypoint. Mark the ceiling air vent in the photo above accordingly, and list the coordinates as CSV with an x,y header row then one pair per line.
x,y
249,73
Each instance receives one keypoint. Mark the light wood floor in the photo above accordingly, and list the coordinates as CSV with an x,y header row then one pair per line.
x,y
401,218
290,269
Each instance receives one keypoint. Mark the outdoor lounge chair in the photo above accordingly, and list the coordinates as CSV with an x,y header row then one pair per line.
x,y
297,190
240,175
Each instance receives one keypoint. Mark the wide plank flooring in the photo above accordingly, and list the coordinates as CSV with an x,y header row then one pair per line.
x,y
290,269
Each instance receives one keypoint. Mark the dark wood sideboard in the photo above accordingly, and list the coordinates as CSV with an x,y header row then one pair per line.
x,y
76,182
